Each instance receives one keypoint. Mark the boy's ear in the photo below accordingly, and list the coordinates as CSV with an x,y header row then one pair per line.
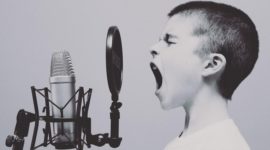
x,y
214,65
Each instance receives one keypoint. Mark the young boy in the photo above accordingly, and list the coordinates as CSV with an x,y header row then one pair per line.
x,y
203,54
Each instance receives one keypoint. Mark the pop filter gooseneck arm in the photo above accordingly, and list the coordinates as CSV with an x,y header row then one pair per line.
x,y
114,66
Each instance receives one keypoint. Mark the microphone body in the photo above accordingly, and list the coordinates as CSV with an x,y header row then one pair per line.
x,y
62,84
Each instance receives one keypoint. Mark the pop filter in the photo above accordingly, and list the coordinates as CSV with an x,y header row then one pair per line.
x,y
114,61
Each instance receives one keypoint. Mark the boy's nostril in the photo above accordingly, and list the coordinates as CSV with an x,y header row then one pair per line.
x,y
153,53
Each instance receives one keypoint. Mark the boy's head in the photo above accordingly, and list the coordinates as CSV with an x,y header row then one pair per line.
x,y
203,40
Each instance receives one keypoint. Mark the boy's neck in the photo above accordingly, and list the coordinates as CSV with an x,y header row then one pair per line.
x,y
208,107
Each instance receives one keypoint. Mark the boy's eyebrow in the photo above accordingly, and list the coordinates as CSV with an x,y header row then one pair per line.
x,y
171,35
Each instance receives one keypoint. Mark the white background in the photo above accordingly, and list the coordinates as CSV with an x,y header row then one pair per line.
x,y
30,31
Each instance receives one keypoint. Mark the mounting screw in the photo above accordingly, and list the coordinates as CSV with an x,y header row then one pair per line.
x,y
10,140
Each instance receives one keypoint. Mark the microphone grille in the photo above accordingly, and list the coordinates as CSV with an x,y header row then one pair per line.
x,y
61,64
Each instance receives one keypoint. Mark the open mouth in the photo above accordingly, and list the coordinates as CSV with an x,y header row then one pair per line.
x,y
157,74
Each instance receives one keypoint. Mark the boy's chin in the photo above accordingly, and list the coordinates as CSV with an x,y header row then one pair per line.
x,y
166,107
168,101
167,104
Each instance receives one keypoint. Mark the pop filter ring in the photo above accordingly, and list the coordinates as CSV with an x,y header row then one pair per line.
x,y
114,61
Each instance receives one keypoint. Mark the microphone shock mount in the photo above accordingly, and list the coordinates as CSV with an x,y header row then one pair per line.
x,y
83,134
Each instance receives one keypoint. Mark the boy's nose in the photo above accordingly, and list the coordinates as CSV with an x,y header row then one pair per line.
x,y
154,51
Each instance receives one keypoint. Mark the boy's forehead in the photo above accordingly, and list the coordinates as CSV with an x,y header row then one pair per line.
x,y
182,25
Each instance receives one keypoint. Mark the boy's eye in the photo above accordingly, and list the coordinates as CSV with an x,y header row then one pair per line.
x,y
167,39
169,42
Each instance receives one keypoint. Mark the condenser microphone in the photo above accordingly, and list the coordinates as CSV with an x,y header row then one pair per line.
x,y
62,83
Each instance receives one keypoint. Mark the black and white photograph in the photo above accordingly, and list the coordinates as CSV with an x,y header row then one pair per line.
x,y
129,75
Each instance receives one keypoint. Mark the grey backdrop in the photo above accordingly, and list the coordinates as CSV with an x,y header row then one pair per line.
x,y
30,31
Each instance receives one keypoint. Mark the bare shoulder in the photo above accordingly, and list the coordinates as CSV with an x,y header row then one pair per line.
x,y
223,135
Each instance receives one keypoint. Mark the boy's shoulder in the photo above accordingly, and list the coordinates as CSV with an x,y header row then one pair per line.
x,y
223,135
